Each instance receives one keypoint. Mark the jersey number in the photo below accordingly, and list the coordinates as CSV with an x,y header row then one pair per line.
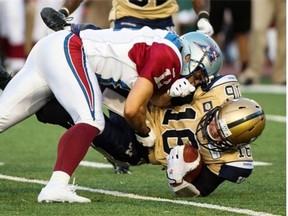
x,y
233,91
179,134
143,3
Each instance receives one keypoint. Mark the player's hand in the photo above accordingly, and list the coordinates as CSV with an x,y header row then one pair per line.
x,y
177,168
147,140
205,27
53,19
185,189
181,88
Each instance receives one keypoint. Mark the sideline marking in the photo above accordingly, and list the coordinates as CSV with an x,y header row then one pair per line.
x,y
95,164
105,165
276,118
260,163
140,197
272,89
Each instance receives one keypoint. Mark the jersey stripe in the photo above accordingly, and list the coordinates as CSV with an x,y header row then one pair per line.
x,y
77,64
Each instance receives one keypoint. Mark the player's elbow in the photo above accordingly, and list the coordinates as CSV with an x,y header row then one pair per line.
x,y
130,112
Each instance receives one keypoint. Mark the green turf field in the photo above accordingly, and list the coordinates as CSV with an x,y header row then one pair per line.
x,y
28,153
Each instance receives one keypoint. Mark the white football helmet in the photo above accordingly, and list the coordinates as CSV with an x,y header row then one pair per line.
x,y
200,53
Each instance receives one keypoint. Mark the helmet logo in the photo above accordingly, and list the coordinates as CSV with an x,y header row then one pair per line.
x,y
209,51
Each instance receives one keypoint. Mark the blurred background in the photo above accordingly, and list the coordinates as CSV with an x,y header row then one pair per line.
x,y
251,33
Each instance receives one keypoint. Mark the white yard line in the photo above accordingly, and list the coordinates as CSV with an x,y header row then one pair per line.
x,y
95,164
276,118
272,89
140,197
106,165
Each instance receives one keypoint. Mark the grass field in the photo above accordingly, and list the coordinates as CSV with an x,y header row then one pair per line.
x,y
28,152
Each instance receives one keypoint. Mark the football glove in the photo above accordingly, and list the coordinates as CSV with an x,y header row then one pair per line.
x,y
147,140
53,19
204,25
177,168
185,189
180,88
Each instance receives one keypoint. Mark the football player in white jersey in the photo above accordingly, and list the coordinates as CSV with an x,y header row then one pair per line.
x,y
136,14
64,65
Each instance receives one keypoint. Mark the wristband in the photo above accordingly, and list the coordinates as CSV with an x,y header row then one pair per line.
x,y
64,11
203,14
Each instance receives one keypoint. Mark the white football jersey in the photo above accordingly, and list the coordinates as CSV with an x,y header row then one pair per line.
x,y
120,56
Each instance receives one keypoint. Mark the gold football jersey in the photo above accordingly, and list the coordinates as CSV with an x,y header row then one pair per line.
x,y
144,9
177,126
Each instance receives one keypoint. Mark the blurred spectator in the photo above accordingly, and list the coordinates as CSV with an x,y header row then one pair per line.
x,y
21,27
265,13
35,27
12,34
186,18
97,12
239,27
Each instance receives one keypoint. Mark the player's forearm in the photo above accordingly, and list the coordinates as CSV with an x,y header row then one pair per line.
x,y
201,5
71,5
136,105
161,100
137,120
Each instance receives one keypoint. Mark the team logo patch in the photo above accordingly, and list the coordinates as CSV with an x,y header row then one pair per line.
x,y
207,106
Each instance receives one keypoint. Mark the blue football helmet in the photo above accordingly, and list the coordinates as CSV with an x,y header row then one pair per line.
x,y
200,53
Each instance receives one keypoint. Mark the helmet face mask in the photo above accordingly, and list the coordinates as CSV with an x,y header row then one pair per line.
x,y
238,122
200,52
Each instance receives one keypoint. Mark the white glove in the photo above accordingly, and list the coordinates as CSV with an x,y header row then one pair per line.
x,y
185,189
177,168
147,140
180,88
205,27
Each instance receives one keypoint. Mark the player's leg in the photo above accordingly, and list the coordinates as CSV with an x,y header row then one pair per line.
x,y
119,144
76,88
24,95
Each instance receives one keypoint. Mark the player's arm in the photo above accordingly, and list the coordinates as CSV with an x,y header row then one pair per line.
x,y
201,5
70,6
202,8
135,110
57,20
202,186
179,89
177,168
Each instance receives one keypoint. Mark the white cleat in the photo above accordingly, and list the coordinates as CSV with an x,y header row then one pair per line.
x,y
60,193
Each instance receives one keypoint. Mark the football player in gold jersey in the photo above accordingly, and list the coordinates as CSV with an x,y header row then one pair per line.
x,y
136,14
226,153
229,158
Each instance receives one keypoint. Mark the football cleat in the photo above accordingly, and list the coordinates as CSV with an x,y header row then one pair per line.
x,y
53,19
5,77
120,169
60,193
